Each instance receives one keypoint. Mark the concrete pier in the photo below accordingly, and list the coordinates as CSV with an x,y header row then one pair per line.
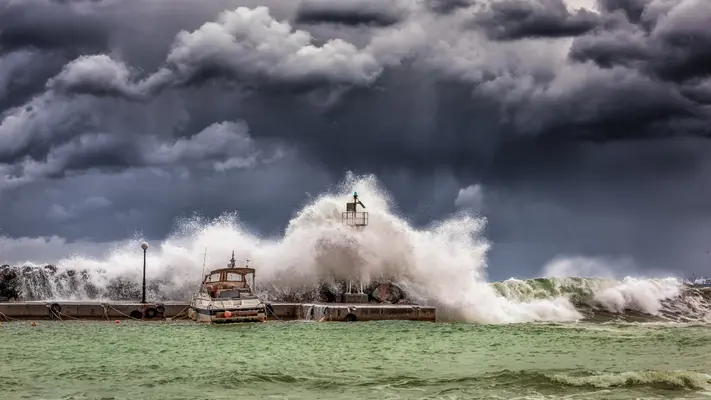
x,y
68,310
72,310
344,312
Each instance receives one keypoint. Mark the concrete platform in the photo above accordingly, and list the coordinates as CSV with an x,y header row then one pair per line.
x,y
69,310
345,312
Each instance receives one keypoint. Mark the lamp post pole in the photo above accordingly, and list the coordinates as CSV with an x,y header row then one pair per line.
x,y
144,246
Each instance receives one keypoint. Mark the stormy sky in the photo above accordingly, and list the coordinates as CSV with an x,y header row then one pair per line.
x,y
577,127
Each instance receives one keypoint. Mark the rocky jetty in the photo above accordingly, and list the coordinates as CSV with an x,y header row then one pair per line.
x,y
49,282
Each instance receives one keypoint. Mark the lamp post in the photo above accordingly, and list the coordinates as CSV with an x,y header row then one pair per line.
x,y
144,246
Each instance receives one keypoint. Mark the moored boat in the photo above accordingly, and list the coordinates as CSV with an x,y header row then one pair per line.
x,y
226,295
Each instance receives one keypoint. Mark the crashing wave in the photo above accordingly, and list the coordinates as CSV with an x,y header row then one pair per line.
x,y
631,299
595,299
443,265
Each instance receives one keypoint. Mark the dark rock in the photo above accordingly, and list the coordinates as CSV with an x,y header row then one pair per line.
x,y
123,289
326,294
387,293
50,268
50,282
9,282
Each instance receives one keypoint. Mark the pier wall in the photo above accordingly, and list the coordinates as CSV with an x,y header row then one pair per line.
x,y
59,310
350,312
90,310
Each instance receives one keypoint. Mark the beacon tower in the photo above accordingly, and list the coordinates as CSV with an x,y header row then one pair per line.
x,y
358,220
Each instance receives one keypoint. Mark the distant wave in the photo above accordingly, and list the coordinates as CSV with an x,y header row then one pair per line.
x,y
650,379
631,299
667,380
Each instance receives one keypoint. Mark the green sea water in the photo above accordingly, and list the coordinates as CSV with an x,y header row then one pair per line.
x,y
379,360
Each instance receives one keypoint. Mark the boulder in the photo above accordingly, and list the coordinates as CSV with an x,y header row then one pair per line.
x,y
387,293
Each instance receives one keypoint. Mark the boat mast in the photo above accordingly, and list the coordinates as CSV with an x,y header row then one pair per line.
x,y
232,261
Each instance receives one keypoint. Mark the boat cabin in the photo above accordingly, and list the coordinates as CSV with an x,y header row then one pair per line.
x,y
229,283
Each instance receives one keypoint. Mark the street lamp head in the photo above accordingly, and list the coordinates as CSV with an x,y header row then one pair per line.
x,y
144,246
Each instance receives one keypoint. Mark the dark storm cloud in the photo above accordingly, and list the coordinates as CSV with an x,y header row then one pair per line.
x,y
231,48
220,146
677,46
50,26
185,100
633,9
449,6
353,13
518,19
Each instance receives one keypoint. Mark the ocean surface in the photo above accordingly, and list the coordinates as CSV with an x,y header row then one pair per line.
x,y
369,360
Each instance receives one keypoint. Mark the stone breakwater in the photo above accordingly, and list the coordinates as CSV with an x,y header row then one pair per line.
x,y
28,283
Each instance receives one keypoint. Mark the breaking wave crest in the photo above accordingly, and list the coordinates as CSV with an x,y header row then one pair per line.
x,y
669,380
653,379
629,299
442,265
650,379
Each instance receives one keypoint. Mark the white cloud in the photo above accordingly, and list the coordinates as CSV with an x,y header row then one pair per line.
x,y
49,249
58,213
470,198
229,142
97,202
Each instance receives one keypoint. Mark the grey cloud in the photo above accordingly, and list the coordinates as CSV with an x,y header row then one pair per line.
x,y
675,46
518,19
63,214
211,51
97,202
633,9
69,27
246,45
11,66
147,201
470,198
58,213
23,74
352,13
48,249
593,103
253,43
32,129
97,75
610,48
699,91
220,146
449,6
227,144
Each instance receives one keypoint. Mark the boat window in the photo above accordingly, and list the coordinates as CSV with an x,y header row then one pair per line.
x,y
234,277
214,278
229,294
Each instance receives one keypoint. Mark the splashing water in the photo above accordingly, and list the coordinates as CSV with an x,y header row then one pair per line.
x,y
443,265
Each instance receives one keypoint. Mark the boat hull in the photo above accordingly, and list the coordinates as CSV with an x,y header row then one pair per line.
x,y
217,315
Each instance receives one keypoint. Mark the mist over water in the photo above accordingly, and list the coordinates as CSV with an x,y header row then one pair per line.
x,y
442,265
